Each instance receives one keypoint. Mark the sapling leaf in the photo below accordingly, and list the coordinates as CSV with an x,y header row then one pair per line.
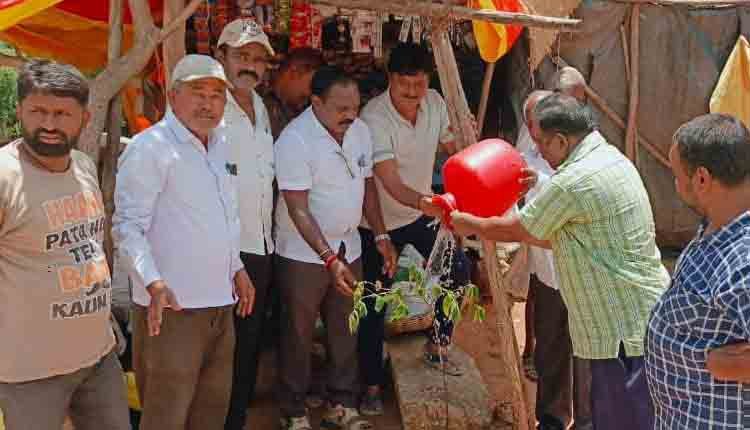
x,y
361,309
353,322
380,303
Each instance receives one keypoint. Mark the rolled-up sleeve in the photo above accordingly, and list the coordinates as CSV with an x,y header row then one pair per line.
x,y
141,177
381,135
293,170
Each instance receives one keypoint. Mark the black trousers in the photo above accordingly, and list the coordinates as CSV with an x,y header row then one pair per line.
x,y
372,328
249,333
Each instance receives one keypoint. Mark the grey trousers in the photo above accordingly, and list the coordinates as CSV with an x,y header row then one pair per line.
x,y
94,397
184,374
306,289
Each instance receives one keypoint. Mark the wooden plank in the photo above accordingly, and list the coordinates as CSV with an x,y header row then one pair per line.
x,y
630,133
439,10
421,393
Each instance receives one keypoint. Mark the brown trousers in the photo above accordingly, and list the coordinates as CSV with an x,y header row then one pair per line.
x,y
184,374
93,396
305,291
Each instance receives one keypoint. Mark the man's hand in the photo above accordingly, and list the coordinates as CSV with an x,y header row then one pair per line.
x,y
342,277
244,291
388,251
730,362
161,297
527,180
465,224
428,208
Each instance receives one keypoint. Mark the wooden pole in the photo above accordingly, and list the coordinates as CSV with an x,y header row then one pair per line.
x,y
441,10
111,151
625,52
630,133
460,116
173,47
489,72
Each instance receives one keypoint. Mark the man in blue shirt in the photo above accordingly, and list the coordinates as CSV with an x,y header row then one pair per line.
x,y
697,352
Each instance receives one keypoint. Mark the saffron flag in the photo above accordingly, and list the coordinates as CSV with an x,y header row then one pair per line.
x,y
495,40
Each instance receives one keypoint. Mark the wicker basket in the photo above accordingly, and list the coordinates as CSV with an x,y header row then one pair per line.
x,y
409,325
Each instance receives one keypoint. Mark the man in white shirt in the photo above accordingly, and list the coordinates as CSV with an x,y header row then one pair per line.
x,y
244,51
408,122
324,171
177,227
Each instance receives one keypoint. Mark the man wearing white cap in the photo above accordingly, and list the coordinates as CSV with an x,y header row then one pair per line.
x,y
244,51
177,227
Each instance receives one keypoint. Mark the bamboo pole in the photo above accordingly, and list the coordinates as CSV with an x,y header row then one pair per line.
x,y
489,72
625,52
630,133
114,117
440,10
460,115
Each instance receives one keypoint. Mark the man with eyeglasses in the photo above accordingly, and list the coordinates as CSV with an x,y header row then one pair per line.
x,y
324,171
244,50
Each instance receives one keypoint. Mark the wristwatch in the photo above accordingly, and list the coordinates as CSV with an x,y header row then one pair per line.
x,y
384,236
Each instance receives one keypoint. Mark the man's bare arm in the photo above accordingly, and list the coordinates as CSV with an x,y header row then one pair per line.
x,y
299,211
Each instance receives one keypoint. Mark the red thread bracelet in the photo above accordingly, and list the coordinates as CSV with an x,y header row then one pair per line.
x,y
329,261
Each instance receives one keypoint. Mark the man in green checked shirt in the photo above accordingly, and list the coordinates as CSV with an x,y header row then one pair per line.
x,y
595,214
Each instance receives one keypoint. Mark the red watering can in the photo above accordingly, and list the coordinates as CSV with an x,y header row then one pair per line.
x,y
482,180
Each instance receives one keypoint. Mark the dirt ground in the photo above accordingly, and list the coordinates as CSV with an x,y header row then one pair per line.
x,y
477,339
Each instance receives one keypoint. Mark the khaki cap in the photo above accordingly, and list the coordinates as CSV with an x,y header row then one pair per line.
x,y
193,67
240,32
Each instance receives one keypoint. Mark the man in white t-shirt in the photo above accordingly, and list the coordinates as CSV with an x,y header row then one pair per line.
x,y
324,172
408,123
244,50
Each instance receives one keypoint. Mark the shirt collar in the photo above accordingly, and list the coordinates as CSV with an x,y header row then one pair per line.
x,y
589,143
728,232
323,132
183,135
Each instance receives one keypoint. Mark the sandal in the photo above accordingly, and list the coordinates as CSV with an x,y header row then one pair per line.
x,y
340,418
295,423
371,405
529,370
451,367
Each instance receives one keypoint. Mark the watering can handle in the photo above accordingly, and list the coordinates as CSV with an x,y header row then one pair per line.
x,y
446,202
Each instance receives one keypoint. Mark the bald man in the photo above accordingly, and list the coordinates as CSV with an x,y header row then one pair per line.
x,y
570,81
547,317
